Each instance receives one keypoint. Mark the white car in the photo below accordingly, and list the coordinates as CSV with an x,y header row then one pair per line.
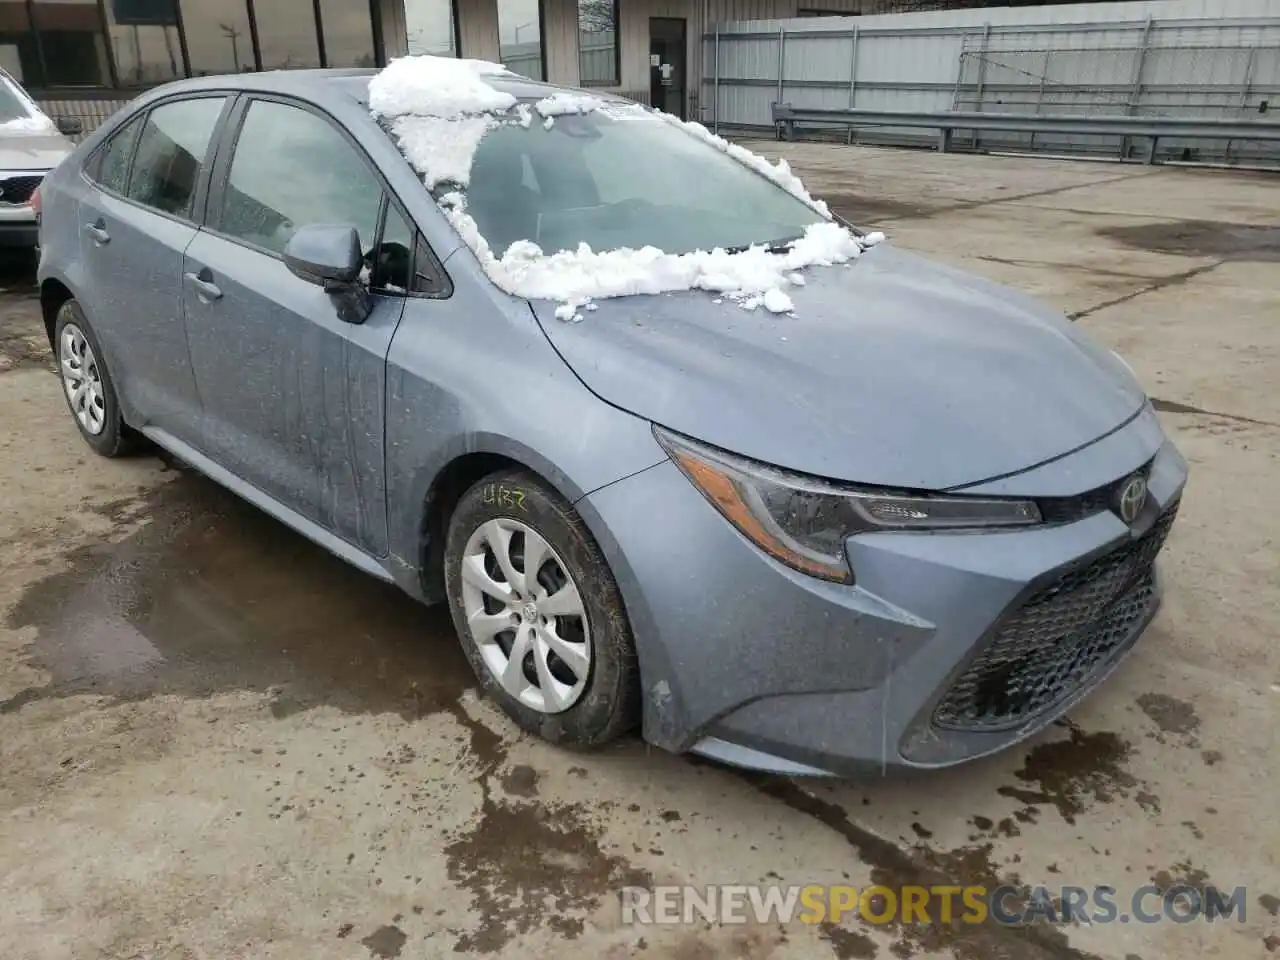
x,y
31,144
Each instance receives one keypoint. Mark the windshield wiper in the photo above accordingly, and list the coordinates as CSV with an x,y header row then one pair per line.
x,y
773,246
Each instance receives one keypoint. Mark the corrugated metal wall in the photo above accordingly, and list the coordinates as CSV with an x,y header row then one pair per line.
x,y
1216,58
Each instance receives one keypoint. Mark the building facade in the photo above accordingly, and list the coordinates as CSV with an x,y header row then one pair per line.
x,y
86,58
647,50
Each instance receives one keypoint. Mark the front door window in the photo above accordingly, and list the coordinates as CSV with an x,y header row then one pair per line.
x,y
277,185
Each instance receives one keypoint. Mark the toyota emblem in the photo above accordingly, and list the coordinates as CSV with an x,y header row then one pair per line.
x,y
1133,497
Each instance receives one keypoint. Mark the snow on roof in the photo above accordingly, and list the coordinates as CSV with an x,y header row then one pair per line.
x,y
439,110
437,87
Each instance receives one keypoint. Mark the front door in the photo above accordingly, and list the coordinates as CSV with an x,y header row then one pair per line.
x,y
135,227
293,396
667,64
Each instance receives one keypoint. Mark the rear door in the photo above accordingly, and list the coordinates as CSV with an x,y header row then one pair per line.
x,y
146,190
293,396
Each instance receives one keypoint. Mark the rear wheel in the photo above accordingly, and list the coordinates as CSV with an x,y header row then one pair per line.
x,y
538,612
87,385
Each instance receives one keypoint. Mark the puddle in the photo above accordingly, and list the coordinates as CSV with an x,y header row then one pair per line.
x,y
1170,714
1071,774
212,595
1181,876
848,944
1201,238
527,866
895,867
385,943
22,336
869,211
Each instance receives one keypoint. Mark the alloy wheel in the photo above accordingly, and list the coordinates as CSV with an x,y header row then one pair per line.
x,y
82,379
525,614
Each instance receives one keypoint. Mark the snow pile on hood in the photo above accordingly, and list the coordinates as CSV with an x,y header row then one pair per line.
x,y
439,109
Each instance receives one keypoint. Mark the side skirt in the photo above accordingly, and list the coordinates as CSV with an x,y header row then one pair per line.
x,y
269,505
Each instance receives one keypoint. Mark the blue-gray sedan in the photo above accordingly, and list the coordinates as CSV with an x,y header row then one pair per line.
x,y
895,517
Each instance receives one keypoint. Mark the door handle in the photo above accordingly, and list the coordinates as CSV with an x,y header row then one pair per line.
x,y
206,290
98,233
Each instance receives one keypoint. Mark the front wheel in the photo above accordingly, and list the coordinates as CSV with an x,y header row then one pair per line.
x,y
539,613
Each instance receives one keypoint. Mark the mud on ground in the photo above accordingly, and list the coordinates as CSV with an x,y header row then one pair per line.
x,y
217,741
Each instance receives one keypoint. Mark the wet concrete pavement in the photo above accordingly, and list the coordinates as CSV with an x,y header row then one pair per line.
x,y
218,741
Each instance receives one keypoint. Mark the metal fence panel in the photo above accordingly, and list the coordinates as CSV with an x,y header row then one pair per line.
x,y
1171,58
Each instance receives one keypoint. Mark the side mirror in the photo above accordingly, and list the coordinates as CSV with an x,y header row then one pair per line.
x,y
331,257
69,126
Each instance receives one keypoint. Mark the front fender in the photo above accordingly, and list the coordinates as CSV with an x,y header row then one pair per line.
x,y
611,445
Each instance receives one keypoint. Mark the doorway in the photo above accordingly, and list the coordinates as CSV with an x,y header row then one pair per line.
x,y
667,61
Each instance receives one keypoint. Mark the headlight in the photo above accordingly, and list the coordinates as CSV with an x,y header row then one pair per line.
x,y
803,521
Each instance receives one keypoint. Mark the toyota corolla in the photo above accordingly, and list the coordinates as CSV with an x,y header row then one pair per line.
x,y
681,450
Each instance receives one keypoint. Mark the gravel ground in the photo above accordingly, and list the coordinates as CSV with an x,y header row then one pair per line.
x,y
218,742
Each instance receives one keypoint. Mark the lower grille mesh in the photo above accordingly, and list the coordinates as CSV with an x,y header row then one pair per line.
x,y
18,190
1058,639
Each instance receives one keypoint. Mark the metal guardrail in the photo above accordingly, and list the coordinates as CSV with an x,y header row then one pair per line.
x,y
946,122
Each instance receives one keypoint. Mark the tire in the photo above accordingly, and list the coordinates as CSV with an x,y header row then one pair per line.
x,y
598,707
105,431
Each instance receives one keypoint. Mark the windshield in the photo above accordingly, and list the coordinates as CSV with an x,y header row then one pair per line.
x,y
622,178
14,105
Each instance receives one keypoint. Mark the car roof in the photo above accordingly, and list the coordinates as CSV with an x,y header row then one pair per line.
x,y
322,84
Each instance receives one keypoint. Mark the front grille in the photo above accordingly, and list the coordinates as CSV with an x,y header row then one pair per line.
x,y
1056,641
18,190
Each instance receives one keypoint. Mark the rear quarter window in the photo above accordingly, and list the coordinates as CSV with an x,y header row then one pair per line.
x,y
109,165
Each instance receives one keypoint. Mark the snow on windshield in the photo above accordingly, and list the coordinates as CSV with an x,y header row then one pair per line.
x,y
19,113
439,109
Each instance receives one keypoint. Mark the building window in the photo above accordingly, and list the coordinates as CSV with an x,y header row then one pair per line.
x,y
219,37
141,43
287,34
17,49
520,37
432,27
144,41
598,43
347,31
66,45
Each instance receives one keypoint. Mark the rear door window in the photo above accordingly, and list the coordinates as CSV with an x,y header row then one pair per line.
x,y
171,154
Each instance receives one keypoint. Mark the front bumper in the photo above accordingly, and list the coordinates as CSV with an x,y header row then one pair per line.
x,y
752,663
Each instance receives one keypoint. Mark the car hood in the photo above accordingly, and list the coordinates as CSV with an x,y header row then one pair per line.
x,y
893,371
32,151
